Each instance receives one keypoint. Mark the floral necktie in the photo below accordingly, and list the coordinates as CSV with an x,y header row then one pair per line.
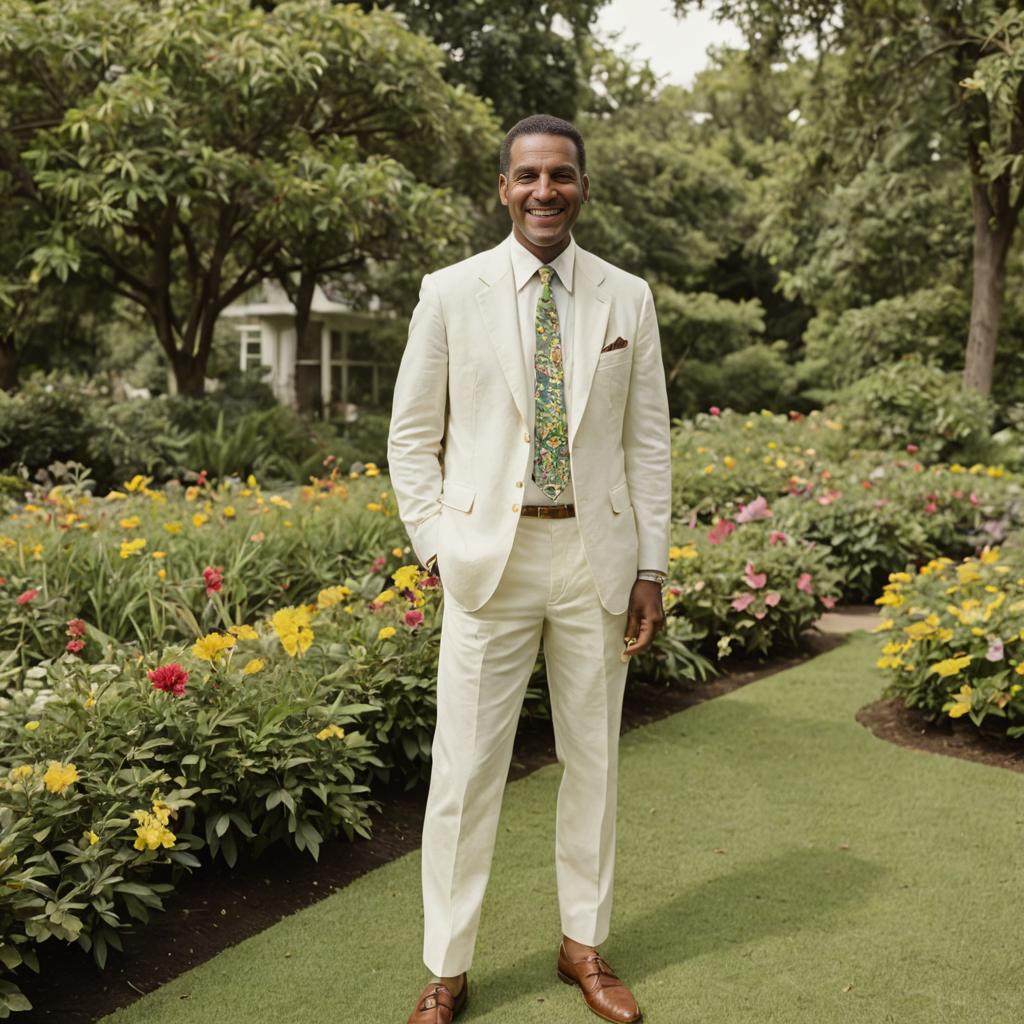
x,y
551,428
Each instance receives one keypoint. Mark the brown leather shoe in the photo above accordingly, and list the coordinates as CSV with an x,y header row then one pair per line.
x,y
604,993
436,1005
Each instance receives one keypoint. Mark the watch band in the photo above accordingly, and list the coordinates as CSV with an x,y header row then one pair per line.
x,y
652,575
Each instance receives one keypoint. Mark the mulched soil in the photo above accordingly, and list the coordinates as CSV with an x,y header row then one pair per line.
x,y
889,720
217,907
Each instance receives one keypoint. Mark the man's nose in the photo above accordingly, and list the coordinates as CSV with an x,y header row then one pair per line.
x,y
544,189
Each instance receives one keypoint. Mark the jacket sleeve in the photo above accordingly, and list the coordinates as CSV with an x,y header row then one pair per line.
x,y
646,443
418,422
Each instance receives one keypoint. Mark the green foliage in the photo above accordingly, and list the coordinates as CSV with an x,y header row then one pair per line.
x,y
751,378
840,349
911,402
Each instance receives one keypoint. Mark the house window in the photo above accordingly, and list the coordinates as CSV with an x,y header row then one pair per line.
x,y
356,379
252,347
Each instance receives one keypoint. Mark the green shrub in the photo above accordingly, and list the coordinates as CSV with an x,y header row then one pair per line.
x,y
911,402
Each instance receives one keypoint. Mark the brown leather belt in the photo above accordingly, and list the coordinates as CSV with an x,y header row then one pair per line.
x,y
549,511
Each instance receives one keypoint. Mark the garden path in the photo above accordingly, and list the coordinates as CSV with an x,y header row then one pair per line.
x,y
777,864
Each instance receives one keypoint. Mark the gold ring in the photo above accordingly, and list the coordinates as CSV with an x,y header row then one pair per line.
x,y
630,640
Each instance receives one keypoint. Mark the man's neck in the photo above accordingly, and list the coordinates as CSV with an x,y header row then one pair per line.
x,y
545,253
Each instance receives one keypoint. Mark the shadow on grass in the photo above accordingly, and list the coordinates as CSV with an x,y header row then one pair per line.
x,y
777,896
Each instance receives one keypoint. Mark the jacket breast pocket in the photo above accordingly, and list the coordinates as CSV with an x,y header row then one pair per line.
x,y
457,496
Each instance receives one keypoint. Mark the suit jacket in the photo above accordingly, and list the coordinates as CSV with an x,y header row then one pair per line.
x,y
459,445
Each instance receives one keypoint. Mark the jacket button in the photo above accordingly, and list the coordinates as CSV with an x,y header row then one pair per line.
x,y
519,483
526,438
515,508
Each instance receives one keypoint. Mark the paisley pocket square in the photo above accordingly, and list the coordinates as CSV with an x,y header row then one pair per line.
x,y
616,344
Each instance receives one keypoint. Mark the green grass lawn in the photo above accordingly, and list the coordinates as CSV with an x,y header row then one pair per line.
x,y
777,863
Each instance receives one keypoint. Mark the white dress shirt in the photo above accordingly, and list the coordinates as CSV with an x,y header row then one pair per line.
x,y
528,288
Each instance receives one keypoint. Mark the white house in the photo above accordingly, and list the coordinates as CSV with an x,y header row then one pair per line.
x,y
332,373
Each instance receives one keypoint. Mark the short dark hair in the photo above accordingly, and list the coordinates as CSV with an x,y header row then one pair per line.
x,y
542,124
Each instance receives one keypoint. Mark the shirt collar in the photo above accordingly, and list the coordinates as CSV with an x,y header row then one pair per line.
x,y
525,264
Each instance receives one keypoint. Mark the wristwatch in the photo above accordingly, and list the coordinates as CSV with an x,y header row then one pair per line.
x,y
653,575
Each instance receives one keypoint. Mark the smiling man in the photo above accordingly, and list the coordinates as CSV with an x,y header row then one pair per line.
x,y
529,454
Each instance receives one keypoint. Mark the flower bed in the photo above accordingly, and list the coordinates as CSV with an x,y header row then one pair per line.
x,y
955,640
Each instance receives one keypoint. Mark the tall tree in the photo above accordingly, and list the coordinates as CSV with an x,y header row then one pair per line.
x,y
893,58
179,154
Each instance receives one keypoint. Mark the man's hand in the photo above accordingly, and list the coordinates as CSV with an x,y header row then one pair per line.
x,y
646,616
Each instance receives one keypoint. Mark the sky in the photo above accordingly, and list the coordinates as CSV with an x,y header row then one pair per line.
x,y
675,47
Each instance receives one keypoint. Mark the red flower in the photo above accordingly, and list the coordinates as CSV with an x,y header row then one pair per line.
x,y
3,581
794,415
378,564
912,448
428,582
74,646
715,411
29,595
213,578
76,627
201,479
413,618
170,678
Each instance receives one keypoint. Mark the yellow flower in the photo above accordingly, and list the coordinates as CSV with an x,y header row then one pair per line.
x,y
331,731
729,462
292,628
159,554
331,596
384,597
162,574
23,771
244,632
386,632
1020,669
397,552
130,522
950,666
250,481
959,708
91,836
372,470
152,832
33,725
280,502
918,630
210,647
895,600
708,469
884,625
132,547
191,493
59,777
407,577
989,556
253,665
1015,689
899,577
116,496
780,463
374,506
229,511
199,518
889,661
138,483
172,527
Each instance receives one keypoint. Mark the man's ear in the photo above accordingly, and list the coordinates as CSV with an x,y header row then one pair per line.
x,y
503,189
586,188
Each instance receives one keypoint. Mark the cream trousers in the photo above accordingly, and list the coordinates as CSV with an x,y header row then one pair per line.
x,y
546,592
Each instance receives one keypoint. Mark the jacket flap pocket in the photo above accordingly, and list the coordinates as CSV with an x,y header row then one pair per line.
x,y
457,496
619,496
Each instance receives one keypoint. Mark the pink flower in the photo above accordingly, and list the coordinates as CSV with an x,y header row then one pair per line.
x,y
828,497
772,598
828,602
413,618
28,595
213,578
675,591
777,537
757,509
76,627
328,460
171,678
74,646
931,508
201,479
912,448
794,415
804,583
742,602
760,615
973,498
720,531
715,411
428,582
378,564
754,580
995,650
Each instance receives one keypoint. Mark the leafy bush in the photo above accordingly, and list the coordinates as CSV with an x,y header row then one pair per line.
x,y
911,402
954,637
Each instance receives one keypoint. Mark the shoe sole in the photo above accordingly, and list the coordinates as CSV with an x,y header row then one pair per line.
x,y
562,976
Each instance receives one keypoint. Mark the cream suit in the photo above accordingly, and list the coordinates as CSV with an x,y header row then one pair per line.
x,y
459,453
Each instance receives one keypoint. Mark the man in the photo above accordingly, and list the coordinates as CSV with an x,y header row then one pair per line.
x,y
529,454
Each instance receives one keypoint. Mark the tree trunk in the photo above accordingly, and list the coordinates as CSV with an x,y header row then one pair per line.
x,y
8,366
991,244
190,374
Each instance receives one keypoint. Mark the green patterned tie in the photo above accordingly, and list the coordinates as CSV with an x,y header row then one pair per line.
x,y
551,428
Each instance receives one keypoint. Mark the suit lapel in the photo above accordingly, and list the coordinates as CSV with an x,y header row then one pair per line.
x,y
497,302
591,308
